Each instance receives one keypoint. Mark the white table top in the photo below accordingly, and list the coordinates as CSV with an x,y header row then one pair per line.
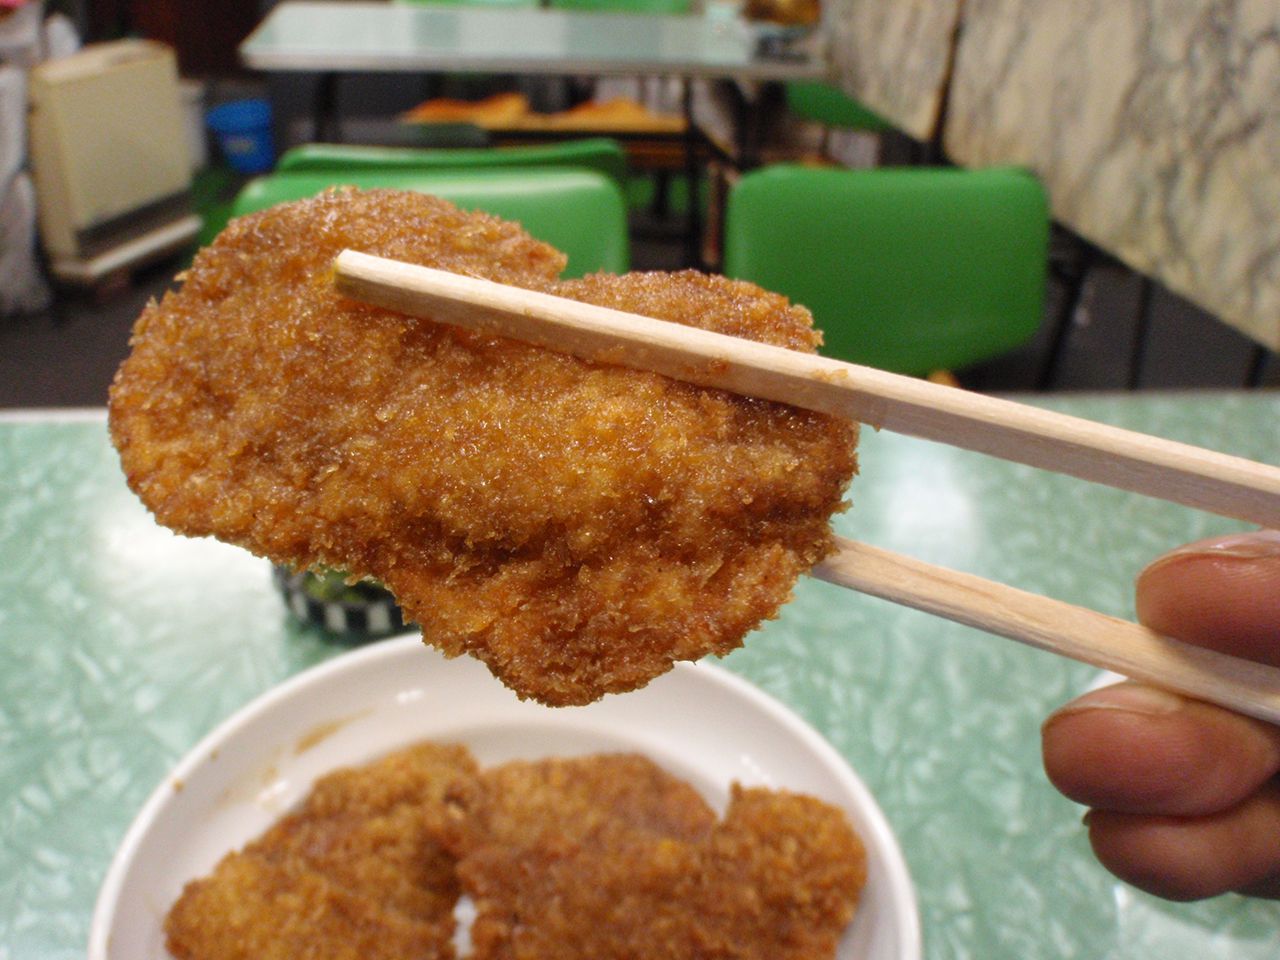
x,y
391,37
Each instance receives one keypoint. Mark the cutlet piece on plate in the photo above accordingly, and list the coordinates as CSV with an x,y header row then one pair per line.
x,y
377,829
578,527
357,870
574,800
594,866
252,908
779,877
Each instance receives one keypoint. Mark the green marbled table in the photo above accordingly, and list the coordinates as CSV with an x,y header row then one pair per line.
x,y
122,645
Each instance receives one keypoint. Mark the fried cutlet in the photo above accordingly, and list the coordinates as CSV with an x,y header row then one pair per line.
x,y
780,877
607,857
252,908
576,526
603,856
359,868
574,799
377,829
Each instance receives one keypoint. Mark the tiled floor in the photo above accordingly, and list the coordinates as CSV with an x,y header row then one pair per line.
x,y
68,355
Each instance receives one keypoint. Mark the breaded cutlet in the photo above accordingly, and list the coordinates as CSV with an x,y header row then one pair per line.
x,y
576,526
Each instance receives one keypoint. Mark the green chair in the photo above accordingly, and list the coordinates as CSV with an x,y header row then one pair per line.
x,y
595,153
830,106
580,212
911,269
832,109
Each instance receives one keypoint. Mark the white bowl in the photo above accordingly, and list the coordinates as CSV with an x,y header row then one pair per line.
x,y
699,721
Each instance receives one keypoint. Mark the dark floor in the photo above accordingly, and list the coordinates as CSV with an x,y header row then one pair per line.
x,y
67,355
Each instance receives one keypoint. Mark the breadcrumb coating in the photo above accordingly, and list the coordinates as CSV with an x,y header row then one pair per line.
x,y
357,872
594,857
576,526
559,868
572,800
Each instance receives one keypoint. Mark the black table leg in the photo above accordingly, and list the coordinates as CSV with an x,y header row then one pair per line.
x,y
324,115
693,224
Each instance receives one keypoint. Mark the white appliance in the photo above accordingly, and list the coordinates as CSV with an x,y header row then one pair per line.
x,y
110,156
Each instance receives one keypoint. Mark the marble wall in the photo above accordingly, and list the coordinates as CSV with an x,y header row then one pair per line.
x,y
895,56
1154,124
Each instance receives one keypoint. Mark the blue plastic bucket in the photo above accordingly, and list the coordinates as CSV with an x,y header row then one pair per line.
x,y
243,131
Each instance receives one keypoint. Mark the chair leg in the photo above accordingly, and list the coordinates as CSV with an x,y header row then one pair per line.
x,y
1141,333
1073,293
1258,362
693,225
660,207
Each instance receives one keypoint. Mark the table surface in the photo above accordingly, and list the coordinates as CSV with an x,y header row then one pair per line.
x,y
124,644
387,37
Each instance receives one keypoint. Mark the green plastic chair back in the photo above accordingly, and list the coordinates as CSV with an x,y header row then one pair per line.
x,y
594,153
624,6
831,106
580,212
907,269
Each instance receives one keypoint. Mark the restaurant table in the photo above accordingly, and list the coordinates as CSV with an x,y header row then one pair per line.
x,y
331,38
124,644
398,37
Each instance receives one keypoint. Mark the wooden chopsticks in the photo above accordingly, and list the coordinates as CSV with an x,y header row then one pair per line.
x,y
1230,486
1226,485
1076,632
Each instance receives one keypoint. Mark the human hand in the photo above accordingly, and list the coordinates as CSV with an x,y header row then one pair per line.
x,y
1184,797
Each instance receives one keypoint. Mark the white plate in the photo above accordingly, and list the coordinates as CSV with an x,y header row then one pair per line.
x,y
699,721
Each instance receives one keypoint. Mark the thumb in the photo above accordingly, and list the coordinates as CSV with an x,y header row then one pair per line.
x,y
1222,593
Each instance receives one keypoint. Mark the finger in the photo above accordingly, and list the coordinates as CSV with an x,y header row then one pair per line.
x,y
1136,749
1188,859
1222,593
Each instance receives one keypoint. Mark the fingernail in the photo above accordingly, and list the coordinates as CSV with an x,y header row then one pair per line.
x,y
1126,697
1254,545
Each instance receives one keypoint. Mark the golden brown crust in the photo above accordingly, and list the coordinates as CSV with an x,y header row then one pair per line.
x,y
607,857
578,527
574,800
255,909
358,871
791,853
601,857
